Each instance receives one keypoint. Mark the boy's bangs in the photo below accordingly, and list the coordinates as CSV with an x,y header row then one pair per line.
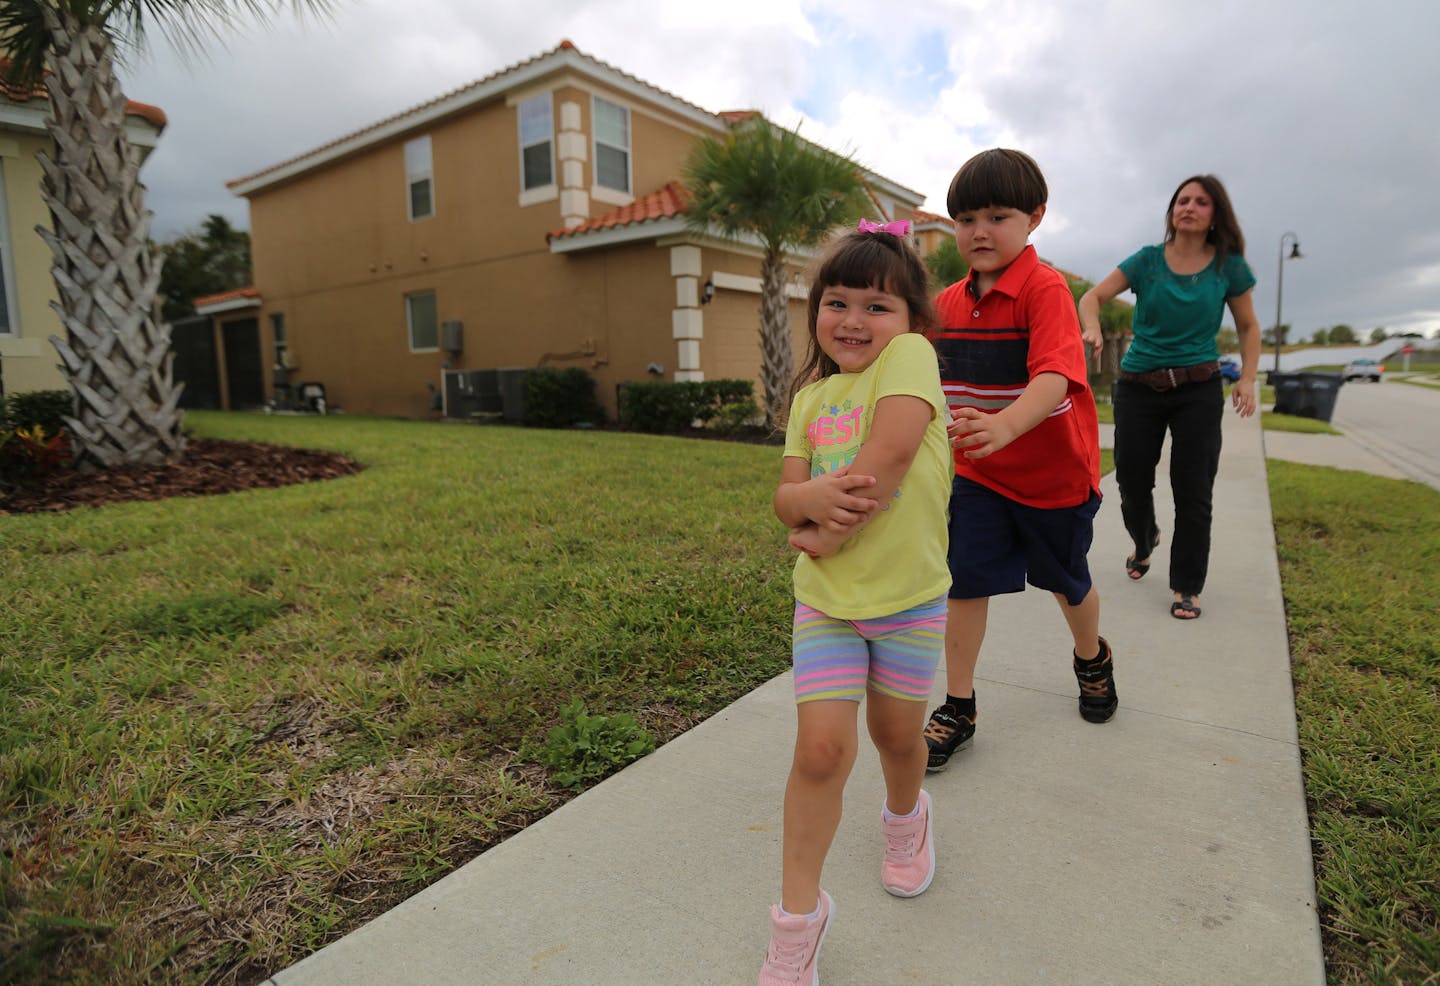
x,y
997,179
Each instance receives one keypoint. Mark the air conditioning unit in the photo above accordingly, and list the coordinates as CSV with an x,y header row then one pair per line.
x,y
472,393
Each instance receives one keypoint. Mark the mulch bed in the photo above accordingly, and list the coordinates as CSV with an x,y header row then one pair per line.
x,y
209,466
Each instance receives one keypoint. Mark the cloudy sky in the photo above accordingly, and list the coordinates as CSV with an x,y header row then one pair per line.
x,y
1317,114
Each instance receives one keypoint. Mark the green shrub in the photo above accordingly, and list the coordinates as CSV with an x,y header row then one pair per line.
x,y
560,398
666,407
735,417
585,747
46,408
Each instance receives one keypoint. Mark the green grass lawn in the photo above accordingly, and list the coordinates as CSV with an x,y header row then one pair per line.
x,y
234,728
1359,562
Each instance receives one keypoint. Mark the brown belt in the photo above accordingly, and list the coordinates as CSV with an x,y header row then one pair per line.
x,y
1175,377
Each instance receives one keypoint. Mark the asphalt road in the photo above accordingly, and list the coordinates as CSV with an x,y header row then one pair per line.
x,y
1398,422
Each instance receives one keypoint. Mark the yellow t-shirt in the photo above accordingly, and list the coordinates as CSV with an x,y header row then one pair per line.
x,y
898,560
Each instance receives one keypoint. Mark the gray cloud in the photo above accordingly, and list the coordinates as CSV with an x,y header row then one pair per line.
x,y
1303,107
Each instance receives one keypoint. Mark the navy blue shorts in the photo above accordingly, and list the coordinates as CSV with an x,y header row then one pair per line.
x,y
997,545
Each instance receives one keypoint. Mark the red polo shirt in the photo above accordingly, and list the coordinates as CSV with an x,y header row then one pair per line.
x,y
991,348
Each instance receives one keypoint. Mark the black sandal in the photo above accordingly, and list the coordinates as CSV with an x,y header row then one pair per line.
x,y
1137,569
1185,608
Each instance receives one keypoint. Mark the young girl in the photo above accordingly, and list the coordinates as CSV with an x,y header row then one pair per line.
x,y
863,488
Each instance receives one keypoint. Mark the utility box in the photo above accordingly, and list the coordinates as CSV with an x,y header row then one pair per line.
x,y
452,337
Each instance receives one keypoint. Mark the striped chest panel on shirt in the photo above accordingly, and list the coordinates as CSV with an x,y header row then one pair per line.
x,y
986,368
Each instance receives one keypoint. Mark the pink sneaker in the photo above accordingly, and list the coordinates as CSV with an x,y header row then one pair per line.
x,y
795,946
909,853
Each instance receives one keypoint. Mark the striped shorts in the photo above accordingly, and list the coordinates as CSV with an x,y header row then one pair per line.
x,y
893,655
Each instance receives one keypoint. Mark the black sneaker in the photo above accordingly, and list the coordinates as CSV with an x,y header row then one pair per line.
x,y
947,731
1098,699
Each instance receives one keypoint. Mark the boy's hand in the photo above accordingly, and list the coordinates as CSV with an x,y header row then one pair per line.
x,y
833,502
977,433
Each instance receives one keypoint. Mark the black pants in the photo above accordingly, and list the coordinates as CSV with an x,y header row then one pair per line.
x,y
1192,414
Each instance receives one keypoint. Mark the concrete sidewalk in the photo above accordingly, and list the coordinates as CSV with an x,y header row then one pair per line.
x,y
1167,846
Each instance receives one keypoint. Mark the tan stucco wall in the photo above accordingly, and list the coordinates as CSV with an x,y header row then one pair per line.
x,y
30,361
335,252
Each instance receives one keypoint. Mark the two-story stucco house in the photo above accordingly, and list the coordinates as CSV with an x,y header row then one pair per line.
x,y
27,359
532,218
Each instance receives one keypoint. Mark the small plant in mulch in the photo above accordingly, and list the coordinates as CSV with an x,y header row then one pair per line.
x,y
31,454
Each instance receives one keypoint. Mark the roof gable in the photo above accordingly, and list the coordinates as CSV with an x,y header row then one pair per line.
x,y
564,57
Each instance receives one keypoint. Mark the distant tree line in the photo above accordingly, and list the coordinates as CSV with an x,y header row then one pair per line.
x,y
211,258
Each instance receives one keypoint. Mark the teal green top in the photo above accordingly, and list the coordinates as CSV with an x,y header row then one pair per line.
x,y
1177,316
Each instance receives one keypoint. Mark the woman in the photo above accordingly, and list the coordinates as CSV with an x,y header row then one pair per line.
x,y
1170,379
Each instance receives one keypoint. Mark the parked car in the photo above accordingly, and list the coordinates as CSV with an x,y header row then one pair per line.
x,y
1364,369
1229,369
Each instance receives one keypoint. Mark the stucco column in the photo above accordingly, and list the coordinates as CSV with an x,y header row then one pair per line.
x,y
687,322
572,149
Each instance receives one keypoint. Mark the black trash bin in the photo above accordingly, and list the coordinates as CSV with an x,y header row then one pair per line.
x,y
1307,394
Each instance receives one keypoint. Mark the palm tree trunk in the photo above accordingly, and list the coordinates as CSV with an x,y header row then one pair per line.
x,y
777,358
116,350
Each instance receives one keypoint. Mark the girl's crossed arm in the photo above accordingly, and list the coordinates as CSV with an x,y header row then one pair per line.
x,y
895,437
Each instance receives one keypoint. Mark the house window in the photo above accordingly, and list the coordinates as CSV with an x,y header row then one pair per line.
x,y
612,145
419,179
422,322
277,329
537,154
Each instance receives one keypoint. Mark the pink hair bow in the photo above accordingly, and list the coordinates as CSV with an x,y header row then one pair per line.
x,y
898,228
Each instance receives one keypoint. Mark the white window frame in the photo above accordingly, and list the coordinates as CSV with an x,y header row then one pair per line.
x,y
417,171
410,320
7,264
606,192
549,190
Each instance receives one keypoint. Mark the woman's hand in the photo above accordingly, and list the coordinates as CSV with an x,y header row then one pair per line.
x,y
1242,395
1092,337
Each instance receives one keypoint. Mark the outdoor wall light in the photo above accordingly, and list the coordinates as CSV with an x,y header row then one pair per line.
x,y
707,291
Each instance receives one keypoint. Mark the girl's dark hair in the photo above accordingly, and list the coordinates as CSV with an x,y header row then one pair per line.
x,y
865,260
1224,232
1001,178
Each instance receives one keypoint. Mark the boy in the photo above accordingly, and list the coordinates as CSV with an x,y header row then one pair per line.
x,y
1025,434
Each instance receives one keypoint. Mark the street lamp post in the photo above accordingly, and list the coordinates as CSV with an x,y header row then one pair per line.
x,y
1295,254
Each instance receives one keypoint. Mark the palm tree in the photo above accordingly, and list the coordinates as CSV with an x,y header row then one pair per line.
x,y
116,350
764,183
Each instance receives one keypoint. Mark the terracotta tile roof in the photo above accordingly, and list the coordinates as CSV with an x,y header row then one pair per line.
x,y
249,291
667,203
564,45
921,216
18,93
